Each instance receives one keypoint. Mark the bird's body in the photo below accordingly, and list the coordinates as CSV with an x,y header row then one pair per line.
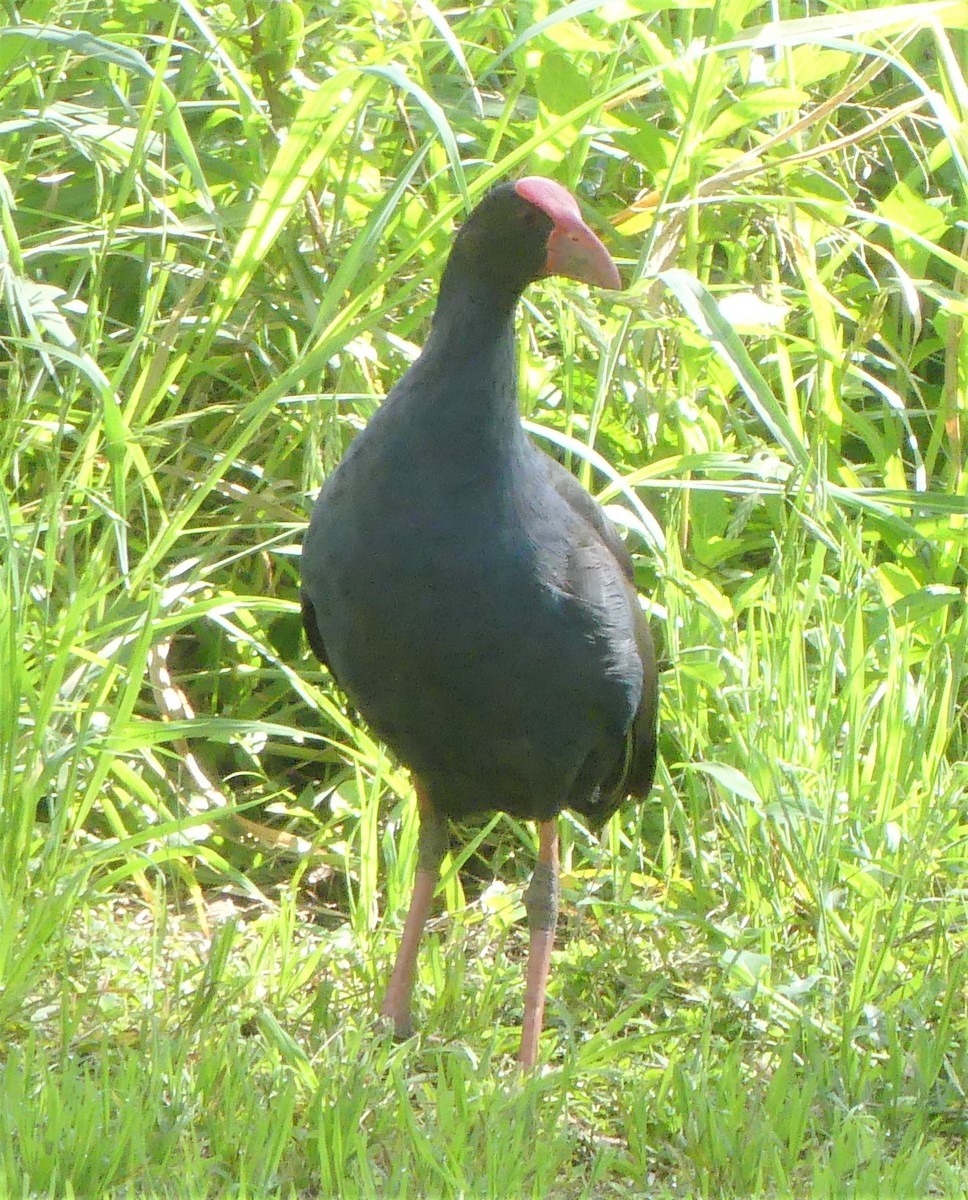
x,y
470,597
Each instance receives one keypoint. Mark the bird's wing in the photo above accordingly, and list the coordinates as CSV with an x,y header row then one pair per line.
x,y
636,773
590,511
640,764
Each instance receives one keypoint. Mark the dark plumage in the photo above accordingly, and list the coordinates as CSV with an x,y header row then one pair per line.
x,y
472,599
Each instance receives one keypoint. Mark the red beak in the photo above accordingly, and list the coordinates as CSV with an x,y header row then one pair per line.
x,y
573,249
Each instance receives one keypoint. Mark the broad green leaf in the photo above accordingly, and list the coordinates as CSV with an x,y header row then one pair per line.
x,y
731,779
81,42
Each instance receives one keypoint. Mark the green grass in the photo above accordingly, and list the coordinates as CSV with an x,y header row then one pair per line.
x,y
759,988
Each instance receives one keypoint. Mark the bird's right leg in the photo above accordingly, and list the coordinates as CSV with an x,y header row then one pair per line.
x,y
431,847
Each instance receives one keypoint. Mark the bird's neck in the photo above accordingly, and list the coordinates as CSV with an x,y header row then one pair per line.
x,y
465,381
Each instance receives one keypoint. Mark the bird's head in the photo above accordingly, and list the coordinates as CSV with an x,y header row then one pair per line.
x,y
525,231
571,247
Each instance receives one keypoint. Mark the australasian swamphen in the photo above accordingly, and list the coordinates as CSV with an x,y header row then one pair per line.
x,y
473,601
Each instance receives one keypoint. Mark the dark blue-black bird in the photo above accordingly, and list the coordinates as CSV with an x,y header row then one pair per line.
x,y
472,600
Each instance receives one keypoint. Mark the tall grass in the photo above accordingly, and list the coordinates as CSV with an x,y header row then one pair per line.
x,y
219,233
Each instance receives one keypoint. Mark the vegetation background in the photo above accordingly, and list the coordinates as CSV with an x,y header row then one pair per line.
x,y
220,227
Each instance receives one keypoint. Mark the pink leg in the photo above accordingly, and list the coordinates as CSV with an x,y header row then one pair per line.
x,y
541,902
431,845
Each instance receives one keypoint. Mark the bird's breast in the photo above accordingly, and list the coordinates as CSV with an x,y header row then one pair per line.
x,y
465,622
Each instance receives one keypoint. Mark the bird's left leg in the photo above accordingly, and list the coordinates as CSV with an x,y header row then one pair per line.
x,y
541,904
431,847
